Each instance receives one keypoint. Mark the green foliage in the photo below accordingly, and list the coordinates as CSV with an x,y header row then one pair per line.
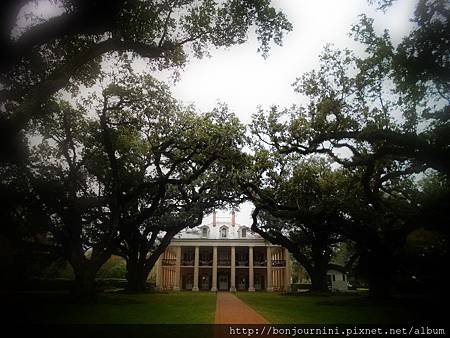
x,y
67,51
424,242
380,120
299,205
115,267
123,170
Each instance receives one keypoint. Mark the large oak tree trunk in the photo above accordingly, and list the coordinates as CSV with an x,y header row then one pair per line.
x,y
380,272
319,281
318,273
140,260
85,270
138,271
137,275
316,265
84,287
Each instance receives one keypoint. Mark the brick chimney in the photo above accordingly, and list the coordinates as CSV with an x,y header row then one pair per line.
x,y
214,218
233,218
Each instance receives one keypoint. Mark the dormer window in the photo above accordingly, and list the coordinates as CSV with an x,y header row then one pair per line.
x,y
242,232
205,232
223,232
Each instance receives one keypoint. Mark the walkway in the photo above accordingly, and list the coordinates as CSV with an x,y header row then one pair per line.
x,y
232,310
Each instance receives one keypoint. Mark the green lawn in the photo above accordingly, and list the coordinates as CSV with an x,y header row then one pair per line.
x,y
335,309
199,308
115,308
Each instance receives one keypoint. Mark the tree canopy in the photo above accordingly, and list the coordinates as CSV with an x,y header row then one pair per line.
x,y
49,55
95,163
126,169
380,117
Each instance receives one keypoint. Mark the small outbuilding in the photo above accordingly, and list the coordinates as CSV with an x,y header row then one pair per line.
x,y
337,278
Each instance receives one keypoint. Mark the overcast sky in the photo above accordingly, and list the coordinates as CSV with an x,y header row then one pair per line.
x,y
241,78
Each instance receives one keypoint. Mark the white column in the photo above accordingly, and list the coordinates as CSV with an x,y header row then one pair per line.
x,y
269,286
176,282
163,280
251,286
233,270
287,271
214,270
196,259
159,273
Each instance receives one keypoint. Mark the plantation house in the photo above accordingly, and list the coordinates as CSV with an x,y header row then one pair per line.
x,y
222,255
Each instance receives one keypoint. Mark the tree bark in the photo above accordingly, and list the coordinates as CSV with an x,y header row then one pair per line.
x,y
318,280
137,275
85,270
139,265
318,275
316,266
380,274
84,288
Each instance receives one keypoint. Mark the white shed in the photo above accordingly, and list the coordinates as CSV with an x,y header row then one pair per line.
x,y
337,278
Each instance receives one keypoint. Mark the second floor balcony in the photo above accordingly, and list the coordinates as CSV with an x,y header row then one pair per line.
x,y
224,262
205,262
241,262
187,262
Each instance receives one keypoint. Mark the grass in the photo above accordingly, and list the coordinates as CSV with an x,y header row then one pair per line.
x,y
199,308
116,308
338,309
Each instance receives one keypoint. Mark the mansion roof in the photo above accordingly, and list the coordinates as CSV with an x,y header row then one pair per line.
x,y
222,228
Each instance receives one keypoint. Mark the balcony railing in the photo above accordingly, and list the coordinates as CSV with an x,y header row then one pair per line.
x,y
278,262
224,262
169,261
207,262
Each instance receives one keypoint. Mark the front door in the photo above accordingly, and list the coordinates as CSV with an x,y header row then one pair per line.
x,y
259,282
223,282
242,285
205,283
188,282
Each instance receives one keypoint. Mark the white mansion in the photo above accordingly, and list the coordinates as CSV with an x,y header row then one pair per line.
x,y
222,255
